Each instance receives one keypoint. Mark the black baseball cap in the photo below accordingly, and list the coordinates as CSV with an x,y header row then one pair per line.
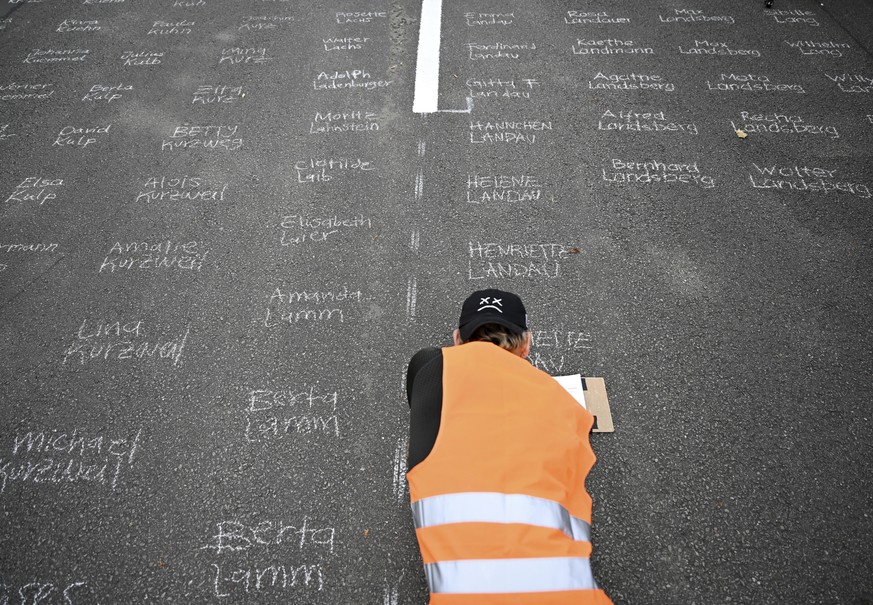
x,y
492,307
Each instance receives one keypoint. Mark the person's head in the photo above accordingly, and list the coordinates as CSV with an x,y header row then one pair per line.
x,y
494,316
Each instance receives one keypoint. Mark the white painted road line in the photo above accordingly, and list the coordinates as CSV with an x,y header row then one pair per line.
x,y
411,297
398,478
419,184
427,68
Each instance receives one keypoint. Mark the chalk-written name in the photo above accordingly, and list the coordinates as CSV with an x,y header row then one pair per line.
x,y
507,131
630,120
273,414
503,188
322,170
123,340
286,306
154,256
79,137
505,88
509,260
348,79
212,137
67,456
332,122
751,83
180,189
298,229
813,179
648,172
36,189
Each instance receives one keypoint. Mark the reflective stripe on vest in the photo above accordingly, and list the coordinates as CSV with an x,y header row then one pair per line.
x,y
494,507
483,576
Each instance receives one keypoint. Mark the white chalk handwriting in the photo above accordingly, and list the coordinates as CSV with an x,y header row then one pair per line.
x,y
15,91
688,15
804,178
708,48
751,83
493,260
5,135
142,57
630,120
610,46
51,55
154,256
649,172
298,229
76,25
28,247
507,131
348,43
264,23
67,456
79,138
813,48
237,536
781,123
274,539
237,55
568,340
266,577
180,189
44,593
286,306
348,79
212,137
322,170
273,414
554,349
211,94
852,83
631,81
503,88
107,92
480,19
595,18
360,17
331,122
106,340
499,50
25,248
503,188
171,28
36,189
792,17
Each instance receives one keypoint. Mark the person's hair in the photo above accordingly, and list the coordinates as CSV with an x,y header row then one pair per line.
x,y
499,335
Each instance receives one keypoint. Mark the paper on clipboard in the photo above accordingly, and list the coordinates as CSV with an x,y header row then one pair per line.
x,y
572,383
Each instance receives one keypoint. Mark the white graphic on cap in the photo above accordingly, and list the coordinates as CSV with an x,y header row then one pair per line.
x,y
489,303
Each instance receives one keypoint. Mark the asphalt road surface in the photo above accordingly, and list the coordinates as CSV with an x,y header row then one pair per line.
x,y
226,226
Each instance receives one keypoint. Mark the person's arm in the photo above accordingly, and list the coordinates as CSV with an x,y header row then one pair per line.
x,y
424,390
418,361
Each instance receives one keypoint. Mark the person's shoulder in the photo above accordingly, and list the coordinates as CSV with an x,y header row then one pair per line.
x,y
423,356
427,364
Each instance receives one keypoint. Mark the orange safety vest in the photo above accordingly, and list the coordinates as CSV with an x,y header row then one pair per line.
x,y
500,508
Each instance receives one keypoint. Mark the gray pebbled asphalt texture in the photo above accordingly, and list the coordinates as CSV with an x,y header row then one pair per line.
x,y
204,329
